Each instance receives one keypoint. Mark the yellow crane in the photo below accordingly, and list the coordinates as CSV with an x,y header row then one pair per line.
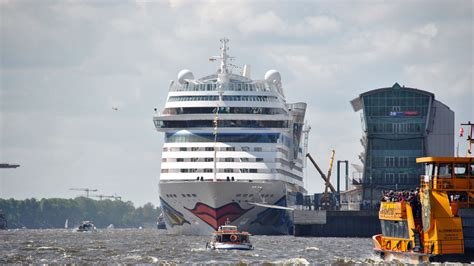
x,y
326,178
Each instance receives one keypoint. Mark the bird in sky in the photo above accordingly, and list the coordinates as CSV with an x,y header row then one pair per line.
x,y
115,108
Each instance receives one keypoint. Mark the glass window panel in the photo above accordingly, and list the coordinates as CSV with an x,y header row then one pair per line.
x,y
460,170
444,170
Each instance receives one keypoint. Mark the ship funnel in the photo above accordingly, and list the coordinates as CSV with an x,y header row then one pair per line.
x,y
246,71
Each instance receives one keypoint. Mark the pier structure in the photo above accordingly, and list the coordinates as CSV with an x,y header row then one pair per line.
x,y
335,223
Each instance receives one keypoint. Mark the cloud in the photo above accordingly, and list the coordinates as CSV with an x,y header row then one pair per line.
x,y
441,78
322,24
271,23
429,30
64,65
267,22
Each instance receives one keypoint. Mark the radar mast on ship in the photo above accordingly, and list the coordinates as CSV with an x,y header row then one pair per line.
x,y
225,67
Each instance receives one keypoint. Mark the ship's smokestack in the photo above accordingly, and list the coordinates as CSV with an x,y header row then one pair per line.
x,y
246,71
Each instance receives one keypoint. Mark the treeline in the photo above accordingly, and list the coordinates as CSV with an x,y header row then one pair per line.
x,y
52,213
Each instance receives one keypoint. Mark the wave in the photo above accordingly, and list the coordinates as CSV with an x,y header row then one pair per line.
x,y
51,248
292,261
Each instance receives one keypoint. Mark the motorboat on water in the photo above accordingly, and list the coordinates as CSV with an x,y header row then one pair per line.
x,y
161,222
228,237
86,226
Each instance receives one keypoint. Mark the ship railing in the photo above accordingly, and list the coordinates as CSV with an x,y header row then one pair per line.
x,y
258,86
451,183
451,246
393,210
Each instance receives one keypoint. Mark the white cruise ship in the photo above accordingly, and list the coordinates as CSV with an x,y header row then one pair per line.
x,y
232,152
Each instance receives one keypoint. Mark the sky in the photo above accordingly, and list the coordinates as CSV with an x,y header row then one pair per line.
x,y
65,64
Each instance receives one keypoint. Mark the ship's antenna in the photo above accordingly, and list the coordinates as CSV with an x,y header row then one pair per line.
x,y
225,67
469,138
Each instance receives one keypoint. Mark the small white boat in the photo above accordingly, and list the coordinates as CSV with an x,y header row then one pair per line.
x,y
228,237
161,222
86,226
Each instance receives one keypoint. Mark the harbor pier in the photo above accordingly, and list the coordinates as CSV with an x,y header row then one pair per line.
x,y
328,223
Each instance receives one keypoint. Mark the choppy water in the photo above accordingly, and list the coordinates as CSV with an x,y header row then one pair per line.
x,y
155,246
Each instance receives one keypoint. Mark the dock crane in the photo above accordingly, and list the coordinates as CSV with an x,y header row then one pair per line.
x,y
325,199
115,197
87,190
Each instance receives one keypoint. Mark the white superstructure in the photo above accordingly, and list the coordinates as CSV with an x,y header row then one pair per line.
x,y
229,141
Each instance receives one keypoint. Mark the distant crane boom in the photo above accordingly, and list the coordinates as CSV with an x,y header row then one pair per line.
x,y
87,190
115,197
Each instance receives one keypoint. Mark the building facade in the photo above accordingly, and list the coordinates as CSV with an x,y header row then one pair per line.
x,y
399,125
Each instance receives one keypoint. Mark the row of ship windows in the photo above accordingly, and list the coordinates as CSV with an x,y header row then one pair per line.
x,y
225,87
243,148
232,170
277,160
219,160
221,123
184,195
210,170
236,195
242,138
229,137
238,98
224,110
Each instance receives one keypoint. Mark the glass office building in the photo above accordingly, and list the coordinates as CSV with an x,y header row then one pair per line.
x,y
399,125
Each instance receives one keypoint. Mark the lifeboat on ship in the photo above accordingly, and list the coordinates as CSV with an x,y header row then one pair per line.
x,y
228,237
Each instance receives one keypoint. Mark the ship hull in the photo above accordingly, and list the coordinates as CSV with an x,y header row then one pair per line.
x,y
200,207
